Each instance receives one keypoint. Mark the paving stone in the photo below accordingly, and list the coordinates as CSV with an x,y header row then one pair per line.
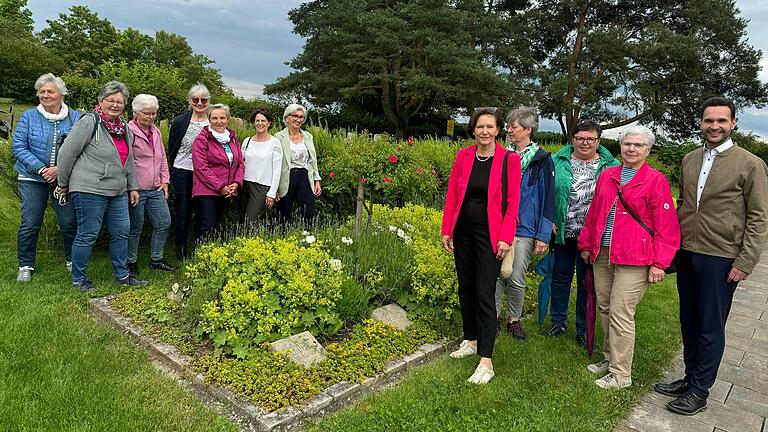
x,y
733,355
304,348
719,391
757,346
761,334
755,362
753,380
730,418
748,400
623,428
652,418
392,314
756,298
747,310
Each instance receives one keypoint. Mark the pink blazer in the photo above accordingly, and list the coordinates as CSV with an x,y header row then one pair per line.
x,y
501,227
212,170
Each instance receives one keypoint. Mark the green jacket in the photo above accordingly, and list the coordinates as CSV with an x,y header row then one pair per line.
x,y
564,182
285,175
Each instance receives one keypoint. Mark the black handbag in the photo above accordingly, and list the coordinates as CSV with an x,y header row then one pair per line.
x,y
673,266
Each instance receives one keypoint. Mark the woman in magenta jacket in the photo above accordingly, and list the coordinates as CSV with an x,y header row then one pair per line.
x,y
627,254
218,170
478,234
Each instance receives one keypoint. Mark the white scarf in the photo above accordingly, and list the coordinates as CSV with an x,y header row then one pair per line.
x,y
222,137
54,117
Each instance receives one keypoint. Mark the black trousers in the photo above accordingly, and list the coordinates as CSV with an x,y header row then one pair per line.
x,y
477,270
181,182
298,191
209,210
705,302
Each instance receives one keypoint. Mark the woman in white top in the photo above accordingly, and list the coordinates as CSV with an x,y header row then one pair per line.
x,y
263,156
299,178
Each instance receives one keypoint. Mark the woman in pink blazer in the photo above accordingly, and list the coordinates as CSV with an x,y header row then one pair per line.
x,y
218,170
479,234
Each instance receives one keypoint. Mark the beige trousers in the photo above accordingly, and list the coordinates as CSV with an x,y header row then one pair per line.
x,y
619,289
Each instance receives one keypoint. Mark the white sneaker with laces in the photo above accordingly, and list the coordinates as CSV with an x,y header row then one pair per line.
x,y
600,367
465,349
482,375
25,274
612,381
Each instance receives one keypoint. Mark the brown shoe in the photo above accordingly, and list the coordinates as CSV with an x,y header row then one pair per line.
x,y
516,330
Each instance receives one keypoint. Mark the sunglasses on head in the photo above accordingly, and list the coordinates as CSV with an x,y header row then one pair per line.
x,y
486,109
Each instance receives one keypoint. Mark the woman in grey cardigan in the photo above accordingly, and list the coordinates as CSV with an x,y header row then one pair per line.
x,y
96,171
299,179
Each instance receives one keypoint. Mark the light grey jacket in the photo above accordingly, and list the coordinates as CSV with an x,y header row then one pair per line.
x,y
90,162
285,175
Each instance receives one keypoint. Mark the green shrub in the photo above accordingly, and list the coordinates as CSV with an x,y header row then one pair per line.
x,y
353,304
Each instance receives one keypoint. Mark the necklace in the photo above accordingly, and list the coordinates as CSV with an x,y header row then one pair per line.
x,y
477,156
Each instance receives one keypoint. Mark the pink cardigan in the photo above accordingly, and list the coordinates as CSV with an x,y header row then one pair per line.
x,y
650,198
211,168
501,227
151,164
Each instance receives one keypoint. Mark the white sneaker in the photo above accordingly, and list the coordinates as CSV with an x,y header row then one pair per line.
x,y
25,274
600,367
612,381
465,349
69,266
482,375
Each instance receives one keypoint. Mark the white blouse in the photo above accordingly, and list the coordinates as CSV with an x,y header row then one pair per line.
x,y
263,163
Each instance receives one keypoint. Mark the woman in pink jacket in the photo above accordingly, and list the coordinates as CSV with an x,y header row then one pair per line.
x,y
218,170
152,176
630,236
479,233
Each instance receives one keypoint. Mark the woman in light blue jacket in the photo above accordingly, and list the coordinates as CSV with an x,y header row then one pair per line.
x,y
36,143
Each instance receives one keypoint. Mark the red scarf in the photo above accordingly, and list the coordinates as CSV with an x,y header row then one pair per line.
x,y
115,127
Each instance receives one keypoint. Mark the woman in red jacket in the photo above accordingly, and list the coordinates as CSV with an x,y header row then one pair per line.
x,y
218,170
479,233
630,236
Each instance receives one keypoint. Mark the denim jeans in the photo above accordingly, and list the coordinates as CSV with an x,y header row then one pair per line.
x,y
566,257
181,182
92,210
34,200
152,203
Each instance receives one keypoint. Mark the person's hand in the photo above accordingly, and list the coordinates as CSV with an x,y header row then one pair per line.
x,y
270,202
164,187
226,190
554,228
586,256
502,249
49,174
655,274
62,190
539,247
133,198
233,190
318,189
277,197
447,242
736,275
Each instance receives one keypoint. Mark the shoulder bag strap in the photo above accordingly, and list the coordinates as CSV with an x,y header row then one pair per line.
x,y
504,184
634,216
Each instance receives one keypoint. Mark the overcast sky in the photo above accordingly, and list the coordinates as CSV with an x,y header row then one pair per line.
x,y
250,41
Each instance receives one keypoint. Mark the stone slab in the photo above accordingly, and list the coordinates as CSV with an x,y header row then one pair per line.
x,y
342,391
720,390
395,367
653,418
730,418
748,400
753,380
755,362
302,349
733,355
392,314
431,350
414,359
317,404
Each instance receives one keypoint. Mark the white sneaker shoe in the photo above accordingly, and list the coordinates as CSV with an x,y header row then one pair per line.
x,y
25,274
612,381
465,349
69,266
482,375
600,367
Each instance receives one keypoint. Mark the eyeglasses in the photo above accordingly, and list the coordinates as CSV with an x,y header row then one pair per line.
x,y
589,140
297,117
149,114
201,100
635,145
114,102
486,109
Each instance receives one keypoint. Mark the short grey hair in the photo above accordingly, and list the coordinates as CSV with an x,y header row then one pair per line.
x,y
113,87
143,101
51,78
210,109
199,90
646,134
292,108
527,117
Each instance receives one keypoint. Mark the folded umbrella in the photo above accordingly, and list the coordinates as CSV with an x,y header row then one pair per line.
x,y
589,286
544,268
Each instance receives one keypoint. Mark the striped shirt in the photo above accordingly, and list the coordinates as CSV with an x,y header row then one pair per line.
x,y
627,174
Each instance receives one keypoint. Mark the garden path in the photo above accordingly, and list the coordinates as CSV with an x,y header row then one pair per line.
x,y
738,401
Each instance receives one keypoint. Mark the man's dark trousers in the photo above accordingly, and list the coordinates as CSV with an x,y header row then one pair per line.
x,y
705,301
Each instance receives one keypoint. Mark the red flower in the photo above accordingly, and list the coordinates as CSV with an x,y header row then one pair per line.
x,y
387,180
410,140
331,174
419,170
362,179
392,159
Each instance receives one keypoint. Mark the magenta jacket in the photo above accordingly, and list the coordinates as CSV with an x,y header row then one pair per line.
x,y
149,158
650,198
211,168
501,227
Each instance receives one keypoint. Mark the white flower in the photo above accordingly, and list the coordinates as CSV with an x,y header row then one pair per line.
x,y
335,264
393,228
309,239
346,240
400,233
305,233
407,226
407,239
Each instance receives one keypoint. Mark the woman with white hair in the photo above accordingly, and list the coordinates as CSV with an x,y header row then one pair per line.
x,y
630,236
36,143
183,131
299,179
152,177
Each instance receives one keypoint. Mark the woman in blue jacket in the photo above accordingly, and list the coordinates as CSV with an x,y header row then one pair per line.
x,y
36,143
535,214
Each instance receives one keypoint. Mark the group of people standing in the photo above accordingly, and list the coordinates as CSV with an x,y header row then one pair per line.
x,y
617,217
97,169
